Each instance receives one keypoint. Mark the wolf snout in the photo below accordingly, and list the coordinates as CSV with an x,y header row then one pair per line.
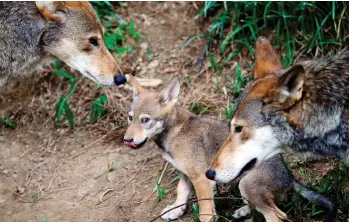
x,y
129,142
119,79
211,174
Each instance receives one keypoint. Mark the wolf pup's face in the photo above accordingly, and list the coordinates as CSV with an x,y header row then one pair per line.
x,y
252,138
75,36
149,111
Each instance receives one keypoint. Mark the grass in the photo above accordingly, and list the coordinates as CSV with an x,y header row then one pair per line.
x,y
111,167
298,28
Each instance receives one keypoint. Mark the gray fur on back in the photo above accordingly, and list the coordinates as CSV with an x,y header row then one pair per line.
x,y
21,29
324,132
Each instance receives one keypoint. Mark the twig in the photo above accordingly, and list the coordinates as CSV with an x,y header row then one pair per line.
x,y
86,147
134,175
199,61
104,193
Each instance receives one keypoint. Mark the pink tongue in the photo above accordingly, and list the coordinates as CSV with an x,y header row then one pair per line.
x,y
130,144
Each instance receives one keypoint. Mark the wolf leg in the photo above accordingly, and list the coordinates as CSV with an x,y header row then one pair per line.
x,y
183,194
204,189
272,214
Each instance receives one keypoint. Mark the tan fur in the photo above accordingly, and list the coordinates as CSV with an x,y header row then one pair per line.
x,y
190,143
266,59
266,183
68,31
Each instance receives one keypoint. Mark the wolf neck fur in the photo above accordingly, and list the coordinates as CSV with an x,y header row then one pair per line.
x,y
174,119
330,143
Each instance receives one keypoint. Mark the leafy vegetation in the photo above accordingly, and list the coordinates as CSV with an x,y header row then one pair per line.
x,y
7,122
299,28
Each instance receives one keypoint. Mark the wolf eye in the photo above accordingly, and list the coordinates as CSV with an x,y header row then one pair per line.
x,y
130,118
144,120
238,129
93,41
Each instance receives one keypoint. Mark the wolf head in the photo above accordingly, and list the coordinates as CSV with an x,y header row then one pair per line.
x,y
253,138
74,35
149,112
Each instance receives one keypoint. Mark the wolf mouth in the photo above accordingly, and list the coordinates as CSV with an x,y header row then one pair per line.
x,y
136,146
250,165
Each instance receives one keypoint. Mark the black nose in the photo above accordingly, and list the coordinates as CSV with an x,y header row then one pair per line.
x,y
119,79
128,140
210,174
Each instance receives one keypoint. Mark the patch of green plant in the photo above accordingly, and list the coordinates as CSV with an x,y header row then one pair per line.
x,y
334,185
44,218
238,83
7,122
114,38
297,27
116,28
198,109
97,107
63,105
111,166
196,212
228,111
160,193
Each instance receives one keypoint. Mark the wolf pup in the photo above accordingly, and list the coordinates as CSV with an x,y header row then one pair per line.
x,y
33,33
304,109
190,143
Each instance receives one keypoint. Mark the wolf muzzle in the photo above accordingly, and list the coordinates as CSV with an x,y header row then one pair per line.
x,y
130,143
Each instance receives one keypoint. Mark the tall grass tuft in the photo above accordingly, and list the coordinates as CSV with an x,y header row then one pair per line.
x,y
299,28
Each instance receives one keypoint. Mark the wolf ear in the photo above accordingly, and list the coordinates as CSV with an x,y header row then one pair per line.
x,y
169,95
48,9
137,88
290,84
266,61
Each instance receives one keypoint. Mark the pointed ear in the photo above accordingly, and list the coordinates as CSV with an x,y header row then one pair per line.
x,y
137,88
48,9
266,61
169,95
290,84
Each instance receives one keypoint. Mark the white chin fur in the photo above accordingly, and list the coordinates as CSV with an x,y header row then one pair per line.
x,y
262,145
103,82
82,63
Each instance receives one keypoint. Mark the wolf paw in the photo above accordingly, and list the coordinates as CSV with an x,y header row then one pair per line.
x,y
173,214
242,212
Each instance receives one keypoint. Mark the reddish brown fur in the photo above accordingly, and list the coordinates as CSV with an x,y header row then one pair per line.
x,y
266,59
49,16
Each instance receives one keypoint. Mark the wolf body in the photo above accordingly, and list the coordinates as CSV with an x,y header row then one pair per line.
x,y
190,143
304,109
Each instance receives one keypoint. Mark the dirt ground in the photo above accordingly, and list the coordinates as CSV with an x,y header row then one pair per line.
x,y
50,172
